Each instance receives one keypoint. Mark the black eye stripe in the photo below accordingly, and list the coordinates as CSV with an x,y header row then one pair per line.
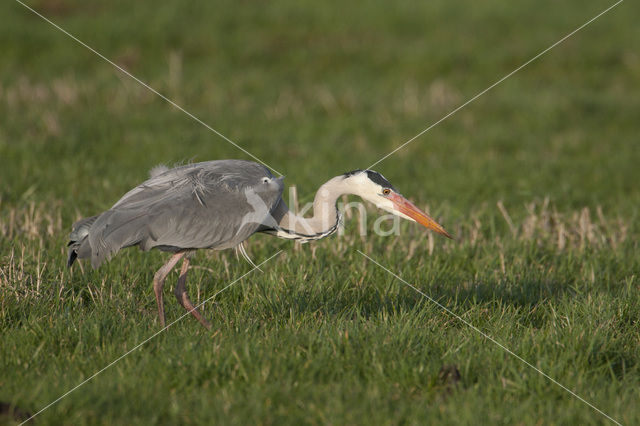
x,y
379,179
373,176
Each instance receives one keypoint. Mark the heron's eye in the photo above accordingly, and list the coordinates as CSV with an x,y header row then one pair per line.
x,y
265,180
386,191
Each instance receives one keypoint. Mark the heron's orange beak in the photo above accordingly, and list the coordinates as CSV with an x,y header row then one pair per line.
x,y
406,207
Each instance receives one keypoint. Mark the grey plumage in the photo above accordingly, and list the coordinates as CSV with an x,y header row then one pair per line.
x,y
201,205
218,205
77,238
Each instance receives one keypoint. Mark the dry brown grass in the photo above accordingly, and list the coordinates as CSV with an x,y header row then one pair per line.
x,y
541,223
25,230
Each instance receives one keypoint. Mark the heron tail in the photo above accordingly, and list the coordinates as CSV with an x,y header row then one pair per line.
x,y
78,243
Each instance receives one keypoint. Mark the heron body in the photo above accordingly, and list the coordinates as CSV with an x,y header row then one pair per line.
x,y
218,205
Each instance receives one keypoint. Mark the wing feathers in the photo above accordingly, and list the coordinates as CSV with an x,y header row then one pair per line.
x,y
201,205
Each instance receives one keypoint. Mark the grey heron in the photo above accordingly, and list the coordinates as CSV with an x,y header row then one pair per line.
x,y
218,205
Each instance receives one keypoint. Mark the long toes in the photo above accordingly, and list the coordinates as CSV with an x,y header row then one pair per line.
x,y
204,322
188,305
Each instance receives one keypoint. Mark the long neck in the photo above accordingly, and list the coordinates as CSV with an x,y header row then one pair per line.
x,y
325,214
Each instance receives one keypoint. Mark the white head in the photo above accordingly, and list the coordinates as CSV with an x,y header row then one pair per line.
x,y
373,187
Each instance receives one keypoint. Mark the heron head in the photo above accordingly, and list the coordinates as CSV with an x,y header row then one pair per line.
x,y
373,187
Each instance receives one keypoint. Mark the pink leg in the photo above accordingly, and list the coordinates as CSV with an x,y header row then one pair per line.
x,y
158,283
183,298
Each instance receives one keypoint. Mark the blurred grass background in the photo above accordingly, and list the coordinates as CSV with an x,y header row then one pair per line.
x,y
317,89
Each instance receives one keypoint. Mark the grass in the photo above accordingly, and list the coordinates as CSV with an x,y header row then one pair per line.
x,y
537,180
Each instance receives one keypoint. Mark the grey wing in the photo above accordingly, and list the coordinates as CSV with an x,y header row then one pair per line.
x,y
215,204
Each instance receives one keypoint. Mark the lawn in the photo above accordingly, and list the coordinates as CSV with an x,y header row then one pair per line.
x,y
537,180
